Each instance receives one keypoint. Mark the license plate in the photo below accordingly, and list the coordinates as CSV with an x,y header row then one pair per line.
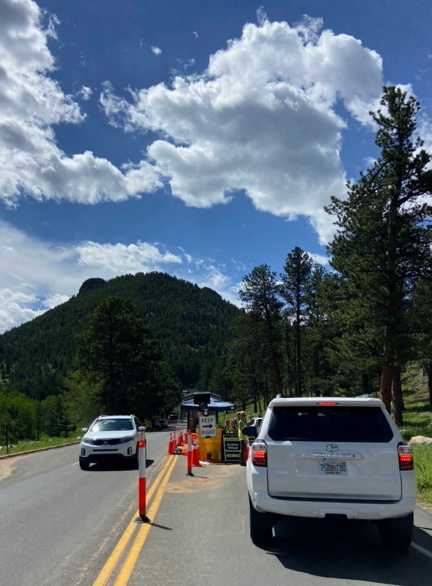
x,y
333,468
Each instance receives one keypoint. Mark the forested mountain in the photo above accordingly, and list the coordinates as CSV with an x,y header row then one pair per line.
x,y
191,323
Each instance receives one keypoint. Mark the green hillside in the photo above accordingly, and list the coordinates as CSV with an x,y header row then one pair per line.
x,y
192,324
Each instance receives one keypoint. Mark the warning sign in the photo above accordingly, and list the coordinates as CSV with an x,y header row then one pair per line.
x,y
232,447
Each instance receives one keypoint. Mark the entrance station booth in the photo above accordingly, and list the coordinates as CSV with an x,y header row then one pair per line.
x,y
210,436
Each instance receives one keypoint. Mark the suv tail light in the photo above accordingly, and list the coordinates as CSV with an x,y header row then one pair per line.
x,y
259,453
405,454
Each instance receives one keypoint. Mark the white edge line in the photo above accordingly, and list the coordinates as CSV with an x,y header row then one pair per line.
x,y
75,463
422,550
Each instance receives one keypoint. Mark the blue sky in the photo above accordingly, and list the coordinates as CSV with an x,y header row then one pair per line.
x,y
200,138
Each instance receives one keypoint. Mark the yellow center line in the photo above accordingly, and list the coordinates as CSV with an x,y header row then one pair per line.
x,y
137,545
112,561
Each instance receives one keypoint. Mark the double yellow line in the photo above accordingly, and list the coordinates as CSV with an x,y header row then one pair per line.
x,y
140,538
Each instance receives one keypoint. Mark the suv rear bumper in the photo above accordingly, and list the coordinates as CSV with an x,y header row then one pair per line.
x,y
264,503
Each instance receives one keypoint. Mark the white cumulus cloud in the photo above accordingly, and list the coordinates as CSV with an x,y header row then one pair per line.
x,y
319,258
156,50
261,118
32,103
85,93
122,259
37,275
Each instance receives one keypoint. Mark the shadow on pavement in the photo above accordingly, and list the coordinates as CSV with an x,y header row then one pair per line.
x,y
119,466
161,526
349,551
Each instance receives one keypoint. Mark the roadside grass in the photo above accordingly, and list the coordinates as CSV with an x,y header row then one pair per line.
x,y
44,442
423,468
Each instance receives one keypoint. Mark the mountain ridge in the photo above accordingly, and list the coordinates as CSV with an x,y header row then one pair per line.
x,y
191,323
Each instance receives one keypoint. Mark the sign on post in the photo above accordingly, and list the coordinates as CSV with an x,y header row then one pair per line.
x,y
232,447
207,425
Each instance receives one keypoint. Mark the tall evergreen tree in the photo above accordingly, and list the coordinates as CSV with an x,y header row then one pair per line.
x,y
383,243
119,350
260,295
297,290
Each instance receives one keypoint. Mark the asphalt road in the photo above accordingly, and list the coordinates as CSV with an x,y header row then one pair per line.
x,y
60,526
201,537
58,523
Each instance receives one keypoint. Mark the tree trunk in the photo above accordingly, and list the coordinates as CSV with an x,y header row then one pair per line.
x,y
298,387
274,355
386,385
255,402
316,371
390,307
429,373
259,405
265,394
397,396
365,383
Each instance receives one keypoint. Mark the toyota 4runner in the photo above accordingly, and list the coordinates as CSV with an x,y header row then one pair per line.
x,y
331,458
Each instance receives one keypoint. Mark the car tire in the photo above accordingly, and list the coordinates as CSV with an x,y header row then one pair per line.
x,y
397,533
135,459
84,465
261,525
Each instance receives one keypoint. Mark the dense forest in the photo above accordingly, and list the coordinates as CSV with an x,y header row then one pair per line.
x,y
48,384
191,323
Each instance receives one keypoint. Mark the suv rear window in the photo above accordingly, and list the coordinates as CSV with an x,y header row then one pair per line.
x,y
330,424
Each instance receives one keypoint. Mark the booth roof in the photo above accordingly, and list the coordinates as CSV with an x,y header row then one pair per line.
x,y
214,405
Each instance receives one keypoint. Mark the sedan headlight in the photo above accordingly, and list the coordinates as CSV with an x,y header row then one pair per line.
x,y
88,441
125,440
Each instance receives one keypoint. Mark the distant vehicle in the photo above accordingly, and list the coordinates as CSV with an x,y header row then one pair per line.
x,y
256,421
111,438
164,423
156,424
174,415
331,457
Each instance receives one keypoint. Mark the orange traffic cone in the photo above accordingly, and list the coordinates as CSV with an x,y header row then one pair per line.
x,y
170,445
195,451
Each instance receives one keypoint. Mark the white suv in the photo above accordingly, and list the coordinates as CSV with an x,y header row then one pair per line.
x,y
111,438
331,458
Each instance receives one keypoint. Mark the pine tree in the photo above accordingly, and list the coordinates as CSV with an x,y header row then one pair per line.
x,y
297,290
260,295
383,243
119,350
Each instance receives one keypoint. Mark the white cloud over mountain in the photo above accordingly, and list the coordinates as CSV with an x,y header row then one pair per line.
x,y
31,163
261,118
37,275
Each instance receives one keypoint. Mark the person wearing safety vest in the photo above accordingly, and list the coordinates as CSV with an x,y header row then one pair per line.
x,y
243,439
234,423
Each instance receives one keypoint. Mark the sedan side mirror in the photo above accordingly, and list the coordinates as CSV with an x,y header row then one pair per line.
x,y
250,431
84,429
142,428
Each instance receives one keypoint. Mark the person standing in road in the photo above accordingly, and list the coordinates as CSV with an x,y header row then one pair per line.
x,y
243,439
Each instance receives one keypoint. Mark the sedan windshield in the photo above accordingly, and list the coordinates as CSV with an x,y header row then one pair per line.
x,y
112,425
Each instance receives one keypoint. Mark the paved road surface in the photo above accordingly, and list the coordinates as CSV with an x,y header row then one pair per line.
x,y
201,538
58,523
59,526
